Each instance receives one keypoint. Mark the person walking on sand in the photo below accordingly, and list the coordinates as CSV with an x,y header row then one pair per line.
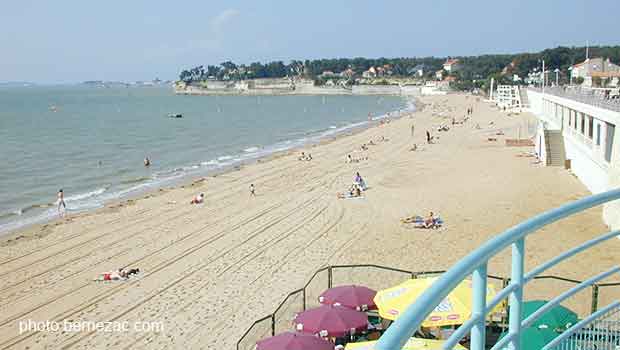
x,y
61,201
252,190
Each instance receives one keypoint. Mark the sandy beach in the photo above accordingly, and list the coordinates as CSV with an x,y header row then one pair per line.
x,y
209,270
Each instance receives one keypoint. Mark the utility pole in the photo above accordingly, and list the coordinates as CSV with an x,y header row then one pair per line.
x,y
543,76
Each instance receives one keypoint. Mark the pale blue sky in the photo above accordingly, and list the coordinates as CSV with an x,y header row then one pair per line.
x,y
70,41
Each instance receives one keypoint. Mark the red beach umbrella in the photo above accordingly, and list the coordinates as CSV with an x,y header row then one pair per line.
x,y
294,341
359,298
331,321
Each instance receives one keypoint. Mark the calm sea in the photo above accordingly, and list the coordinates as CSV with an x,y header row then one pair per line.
x,y
91,142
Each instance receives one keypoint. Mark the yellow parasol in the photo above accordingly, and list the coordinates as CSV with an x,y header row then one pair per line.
x,y
455,309
412,344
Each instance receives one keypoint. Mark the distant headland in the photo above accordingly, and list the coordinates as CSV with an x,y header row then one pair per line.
x,y
383,75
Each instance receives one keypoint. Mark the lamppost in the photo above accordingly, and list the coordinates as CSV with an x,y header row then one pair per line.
x,y
543,76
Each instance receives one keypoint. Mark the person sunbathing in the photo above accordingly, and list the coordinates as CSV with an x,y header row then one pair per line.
x,y
359,181
430,222
353,192
117,275
198,199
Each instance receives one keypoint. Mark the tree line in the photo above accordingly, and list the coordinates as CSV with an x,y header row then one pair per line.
x,y
474,72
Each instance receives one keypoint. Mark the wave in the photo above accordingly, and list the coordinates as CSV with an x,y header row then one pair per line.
x,y
135,180
251,149
85,195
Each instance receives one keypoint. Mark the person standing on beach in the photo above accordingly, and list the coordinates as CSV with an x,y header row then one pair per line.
x,y
252,190
412,129
428,137
61,202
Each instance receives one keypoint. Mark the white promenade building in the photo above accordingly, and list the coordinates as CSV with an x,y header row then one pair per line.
x,y
578,129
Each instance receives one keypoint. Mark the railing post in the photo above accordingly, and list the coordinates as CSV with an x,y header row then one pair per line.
x,y
479,302
516,297
273,324
594,298
329,276
303,294
505,283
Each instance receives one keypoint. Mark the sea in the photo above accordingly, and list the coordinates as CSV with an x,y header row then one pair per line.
x,y
91,141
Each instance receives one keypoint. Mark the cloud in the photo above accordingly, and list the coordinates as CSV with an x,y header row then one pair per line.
x,y
219,22
211,40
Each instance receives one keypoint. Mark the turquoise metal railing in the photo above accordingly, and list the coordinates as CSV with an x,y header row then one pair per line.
x,y
600,331
476,264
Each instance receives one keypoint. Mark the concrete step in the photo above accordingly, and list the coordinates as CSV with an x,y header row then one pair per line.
x,y
554,145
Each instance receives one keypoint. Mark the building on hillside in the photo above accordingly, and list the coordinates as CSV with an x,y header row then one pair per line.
x,y
327,74
387,69
418,70
347,73
452,65
439,74
510,67
370,73
596,68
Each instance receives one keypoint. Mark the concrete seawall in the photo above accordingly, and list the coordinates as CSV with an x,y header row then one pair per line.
x,y
304,89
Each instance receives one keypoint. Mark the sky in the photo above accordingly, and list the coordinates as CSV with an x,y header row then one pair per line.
x,y
64,41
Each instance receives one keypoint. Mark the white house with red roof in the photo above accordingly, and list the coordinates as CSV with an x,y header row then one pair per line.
x,y
370,73
452,65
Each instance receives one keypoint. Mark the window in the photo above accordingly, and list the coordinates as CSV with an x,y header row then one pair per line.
x,y
609,142
590,127
598,134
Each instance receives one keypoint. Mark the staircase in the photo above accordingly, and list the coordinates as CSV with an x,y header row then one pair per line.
x,y
554,143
